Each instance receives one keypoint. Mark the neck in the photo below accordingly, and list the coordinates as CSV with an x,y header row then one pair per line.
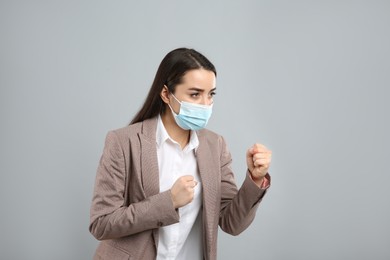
x,y
174,131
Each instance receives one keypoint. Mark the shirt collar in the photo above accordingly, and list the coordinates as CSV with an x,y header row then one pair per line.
x,y
161,133
162,136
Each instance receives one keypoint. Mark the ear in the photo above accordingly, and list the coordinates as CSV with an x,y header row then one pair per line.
x,y
165,94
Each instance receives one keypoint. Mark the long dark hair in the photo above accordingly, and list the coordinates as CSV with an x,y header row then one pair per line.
x,y
170,73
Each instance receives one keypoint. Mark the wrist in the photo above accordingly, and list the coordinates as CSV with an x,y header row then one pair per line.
x,y
173,200
258,180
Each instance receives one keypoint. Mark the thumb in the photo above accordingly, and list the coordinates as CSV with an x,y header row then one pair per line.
x,y
249,157
250,152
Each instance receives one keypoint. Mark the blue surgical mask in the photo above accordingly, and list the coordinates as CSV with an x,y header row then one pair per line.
x,y
192,116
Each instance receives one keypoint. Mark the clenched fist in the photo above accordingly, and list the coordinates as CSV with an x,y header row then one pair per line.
x,y
258,159
182,191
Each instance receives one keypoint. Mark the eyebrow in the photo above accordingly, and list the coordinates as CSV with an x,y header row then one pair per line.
x,y
201,90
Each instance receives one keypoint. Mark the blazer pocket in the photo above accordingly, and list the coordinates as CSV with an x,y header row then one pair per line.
x,y
105,251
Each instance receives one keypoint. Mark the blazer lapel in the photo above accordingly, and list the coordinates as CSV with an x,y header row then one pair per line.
x,y
210,181
149,161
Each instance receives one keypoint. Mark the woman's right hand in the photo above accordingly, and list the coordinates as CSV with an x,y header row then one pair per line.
x,y
182,191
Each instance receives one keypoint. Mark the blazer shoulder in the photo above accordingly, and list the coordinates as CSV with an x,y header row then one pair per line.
x,y
208,133
211,136
147,128
125,133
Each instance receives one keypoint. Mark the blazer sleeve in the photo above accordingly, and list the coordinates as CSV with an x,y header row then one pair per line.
x,y
238,207
109,216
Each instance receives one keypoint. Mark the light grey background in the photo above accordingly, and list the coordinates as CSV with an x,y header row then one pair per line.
x,y
309,79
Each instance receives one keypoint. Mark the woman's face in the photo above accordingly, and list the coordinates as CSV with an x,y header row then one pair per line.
x,y
198,87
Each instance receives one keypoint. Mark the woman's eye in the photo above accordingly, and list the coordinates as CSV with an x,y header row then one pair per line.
x,y
194,94
212,94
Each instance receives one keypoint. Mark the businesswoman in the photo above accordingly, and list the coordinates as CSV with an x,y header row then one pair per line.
x,y
164,183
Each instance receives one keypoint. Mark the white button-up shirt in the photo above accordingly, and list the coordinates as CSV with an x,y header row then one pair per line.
x,y
182,240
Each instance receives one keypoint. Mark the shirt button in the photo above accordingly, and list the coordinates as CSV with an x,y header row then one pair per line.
x,y
159,224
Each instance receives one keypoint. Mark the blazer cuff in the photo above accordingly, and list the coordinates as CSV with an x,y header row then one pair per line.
x,y
165,212
253,190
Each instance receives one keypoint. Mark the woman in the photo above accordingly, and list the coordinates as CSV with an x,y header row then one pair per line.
x,y
164,183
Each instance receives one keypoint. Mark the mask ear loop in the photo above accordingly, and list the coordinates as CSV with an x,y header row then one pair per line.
x,y
170,93
169,105
173,112
176,98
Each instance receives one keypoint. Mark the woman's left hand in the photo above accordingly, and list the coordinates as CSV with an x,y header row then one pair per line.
x,y
258,159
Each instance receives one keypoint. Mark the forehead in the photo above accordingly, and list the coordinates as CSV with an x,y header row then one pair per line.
x,y
199,78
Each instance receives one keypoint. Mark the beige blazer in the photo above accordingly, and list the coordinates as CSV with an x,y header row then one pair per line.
x,y
128,208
